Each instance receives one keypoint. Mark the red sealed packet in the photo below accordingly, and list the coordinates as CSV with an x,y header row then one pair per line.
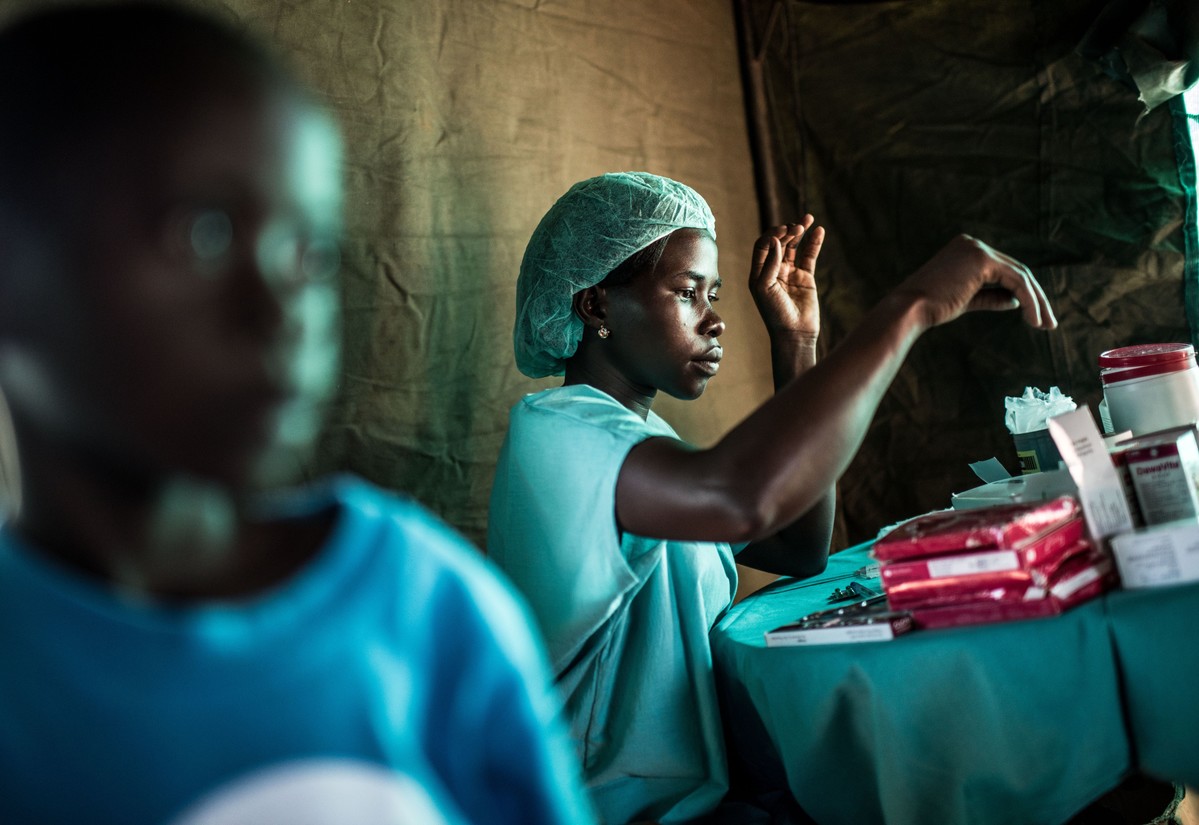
x,y
1009,585
1039,553
1080,579
954,531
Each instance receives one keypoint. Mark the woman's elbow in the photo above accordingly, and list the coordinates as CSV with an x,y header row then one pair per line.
x,y
812,564
748,521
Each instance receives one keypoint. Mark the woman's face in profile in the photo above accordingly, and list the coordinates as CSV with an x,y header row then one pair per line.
x,y
664,326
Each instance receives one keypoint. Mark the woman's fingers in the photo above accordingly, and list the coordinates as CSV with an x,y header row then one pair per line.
x,y
790,243
1018,279
813,240
762,260
967,274
762,247
1008,284
787,245
993,299
1046,318
796,238
767,254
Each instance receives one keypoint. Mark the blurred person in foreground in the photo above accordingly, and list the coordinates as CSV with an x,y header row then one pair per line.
x,y
179,644
621,535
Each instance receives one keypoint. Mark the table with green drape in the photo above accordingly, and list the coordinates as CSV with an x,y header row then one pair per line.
x,y
1002,723
1153,633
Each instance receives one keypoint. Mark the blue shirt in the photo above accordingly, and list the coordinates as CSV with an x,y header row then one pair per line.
x,y
626,617
395,646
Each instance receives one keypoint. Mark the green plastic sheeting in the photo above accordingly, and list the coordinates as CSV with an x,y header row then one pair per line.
x,y
900,124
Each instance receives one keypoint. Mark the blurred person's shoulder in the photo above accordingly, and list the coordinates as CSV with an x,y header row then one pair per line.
x,y
430,571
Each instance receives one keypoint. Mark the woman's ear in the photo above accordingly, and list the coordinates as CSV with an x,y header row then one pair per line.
x,y
591,305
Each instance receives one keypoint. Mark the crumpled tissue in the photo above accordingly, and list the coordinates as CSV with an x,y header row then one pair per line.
x,y
1032,411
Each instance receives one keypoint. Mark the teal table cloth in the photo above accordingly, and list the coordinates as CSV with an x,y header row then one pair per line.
x,y
989,724
1159,665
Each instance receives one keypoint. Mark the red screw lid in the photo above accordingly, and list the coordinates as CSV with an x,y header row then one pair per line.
x,y
1144,355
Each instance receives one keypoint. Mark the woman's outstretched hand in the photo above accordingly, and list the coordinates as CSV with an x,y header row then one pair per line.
x,y
782,279
968,275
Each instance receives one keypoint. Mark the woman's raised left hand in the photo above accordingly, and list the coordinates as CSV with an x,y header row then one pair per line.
x,y
782,279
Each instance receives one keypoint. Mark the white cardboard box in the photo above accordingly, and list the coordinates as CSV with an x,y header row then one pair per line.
x,y
879,627
1158,555
1100,490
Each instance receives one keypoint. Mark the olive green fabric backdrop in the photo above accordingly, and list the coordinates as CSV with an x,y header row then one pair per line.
x,y
897,123
464,120
903,123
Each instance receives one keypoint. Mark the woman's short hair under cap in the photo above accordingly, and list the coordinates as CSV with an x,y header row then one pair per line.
x,y
587,233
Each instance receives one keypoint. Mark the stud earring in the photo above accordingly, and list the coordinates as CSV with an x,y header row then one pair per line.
x,y
604,332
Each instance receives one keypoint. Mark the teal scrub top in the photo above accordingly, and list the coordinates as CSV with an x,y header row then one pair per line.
x,y
626,617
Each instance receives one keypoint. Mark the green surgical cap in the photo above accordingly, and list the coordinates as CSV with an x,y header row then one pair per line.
x,y
587,233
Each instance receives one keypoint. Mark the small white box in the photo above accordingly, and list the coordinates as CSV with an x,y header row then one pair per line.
x,y
1158,555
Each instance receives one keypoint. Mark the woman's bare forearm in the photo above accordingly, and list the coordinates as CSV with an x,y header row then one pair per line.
x,y
791,451
780,461
801,547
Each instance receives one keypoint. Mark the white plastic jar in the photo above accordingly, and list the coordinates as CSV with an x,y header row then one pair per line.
x,y
1150,387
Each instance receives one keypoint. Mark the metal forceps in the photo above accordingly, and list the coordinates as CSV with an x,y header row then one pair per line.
x,y
855,590
866,571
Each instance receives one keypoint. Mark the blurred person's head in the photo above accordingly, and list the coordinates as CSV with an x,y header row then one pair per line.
x,y
169,214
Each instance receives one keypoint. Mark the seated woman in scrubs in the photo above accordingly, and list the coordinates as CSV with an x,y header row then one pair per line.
x,y
621,535
177,645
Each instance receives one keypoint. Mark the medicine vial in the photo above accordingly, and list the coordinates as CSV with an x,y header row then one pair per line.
x,y
1150,387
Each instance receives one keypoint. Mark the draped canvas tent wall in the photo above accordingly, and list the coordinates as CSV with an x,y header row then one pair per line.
x,y
464,120
897,123
903,123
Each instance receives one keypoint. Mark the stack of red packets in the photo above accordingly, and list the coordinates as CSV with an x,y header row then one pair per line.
x,y
1016,561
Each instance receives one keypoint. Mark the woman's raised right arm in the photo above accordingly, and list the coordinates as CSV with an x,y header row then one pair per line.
x,y
777,463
